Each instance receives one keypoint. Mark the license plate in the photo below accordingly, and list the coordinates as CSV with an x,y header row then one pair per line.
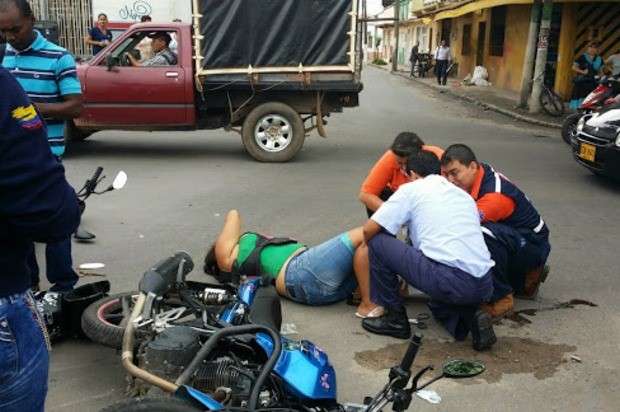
x,y
587,152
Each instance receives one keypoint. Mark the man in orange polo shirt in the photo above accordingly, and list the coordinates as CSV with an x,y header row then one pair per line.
x,y
388,173
516,235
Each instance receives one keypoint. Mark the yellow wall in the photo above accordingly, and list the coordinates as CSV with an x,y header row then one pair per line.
x,y
505,71
568,35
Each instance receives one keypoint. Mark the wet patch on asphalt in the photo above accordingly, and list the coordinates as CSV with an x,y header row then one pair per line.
x,y
520,319
509,355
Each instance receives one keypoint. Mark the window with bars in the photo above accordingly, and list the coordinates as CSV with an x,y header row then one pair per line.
x,y
498,31
466,46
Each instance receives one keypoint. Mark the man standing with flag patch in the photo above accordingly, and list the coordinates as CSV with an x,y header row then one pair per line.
x,y
36,204
47,72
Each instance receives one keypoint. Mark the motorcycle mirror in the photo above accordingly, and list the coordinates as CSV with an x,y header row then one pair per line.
x,y
119,181
459,368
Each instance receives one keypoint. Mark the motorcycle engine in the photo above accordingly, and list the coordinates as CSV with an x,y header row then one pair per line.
x,y
223,374
171,351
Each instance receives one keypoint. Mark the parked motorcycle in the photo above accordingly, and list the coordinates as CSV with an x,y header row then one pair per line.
x,y
606,94
90,188
220,349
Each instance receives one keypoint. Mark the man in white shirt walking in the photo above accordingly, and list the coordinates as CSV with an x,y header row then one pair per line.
x,y
442,61
448,259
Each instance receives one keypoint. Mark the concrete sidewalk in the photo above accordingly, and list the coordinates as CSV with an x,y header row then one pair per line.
x,y
491,98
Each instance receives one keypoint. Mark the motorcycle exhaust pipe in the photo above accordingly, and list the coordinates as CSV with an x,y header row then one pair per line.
x,y
127,352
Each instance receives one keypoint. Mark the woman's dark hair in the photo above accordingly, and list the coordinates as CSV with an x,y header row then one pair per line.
x,y
102,15
406,143
22,5
424,163
459,152
145,18
593,44
210,266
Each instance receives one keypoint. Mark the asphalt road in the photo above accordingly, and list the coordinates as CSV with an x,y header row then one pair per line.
x,y
181,185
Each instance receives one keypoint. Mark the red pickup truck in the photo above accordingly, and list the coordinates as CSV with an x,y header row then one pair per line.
x,y
237,69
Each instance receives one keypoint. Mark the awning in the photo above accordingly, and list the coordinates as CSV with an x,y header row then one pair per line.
x,y
486,4
476,5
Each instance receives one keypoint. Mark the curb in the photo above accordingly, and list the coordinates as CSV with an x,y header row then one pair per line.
x,y
473,100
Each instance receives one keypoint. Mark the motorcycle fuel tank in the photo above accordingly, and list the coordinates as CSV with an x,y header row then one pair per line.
x,y
304,368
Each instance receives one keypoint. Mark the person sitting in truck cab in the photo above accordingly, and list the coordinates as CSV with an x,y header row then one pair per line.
x,y
163,56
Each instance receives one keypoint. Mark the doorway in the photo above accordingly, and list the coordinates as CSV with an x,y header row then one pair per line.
x,y
482,34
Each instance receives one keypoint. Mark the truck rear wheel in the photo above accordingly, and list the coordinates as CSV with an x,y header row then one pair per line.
x,y
273,132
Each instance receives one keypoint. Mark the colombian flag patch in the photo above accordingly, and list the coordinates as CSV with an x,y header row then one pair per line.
x,y
27,117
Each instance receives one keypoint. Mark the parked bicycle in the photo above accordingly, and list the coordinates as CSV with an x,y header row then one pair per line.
x,y
550,101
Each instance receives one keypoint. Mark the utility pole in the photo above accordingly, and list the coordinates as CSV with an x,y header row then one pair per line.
x,y
530,54
396,35
541,56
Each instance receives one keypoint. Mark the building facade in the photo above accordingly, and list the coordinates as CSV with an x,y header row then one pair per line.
x,y
494,34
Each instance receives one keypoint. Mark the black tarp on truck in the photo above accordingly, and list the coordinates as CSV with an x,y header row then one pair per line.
x,y
275,33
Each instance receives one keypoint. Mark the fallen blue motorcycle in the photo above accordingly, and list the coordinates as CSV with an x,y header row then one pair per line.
x,y
216,347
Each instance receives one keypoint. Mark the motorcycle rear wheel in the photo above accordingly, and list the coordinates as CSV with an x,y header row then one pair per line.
x,y
101,321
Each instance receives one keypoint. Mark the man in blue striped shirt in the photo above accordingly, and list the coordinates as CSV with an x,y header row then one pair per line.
x,y
48,74
45,70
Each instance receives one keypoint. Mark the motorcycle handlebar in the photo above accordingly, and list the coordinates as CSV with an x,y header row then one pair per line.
x,y
160,277
93,180
412,351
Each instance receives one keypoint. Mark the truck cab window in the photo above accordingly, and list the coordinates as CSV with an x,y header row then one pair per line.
x,y
147,49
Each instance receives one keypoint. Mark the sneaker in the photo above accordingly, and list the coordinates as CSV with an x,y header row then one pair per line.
x,y
393,323
533,279
482,334
499,308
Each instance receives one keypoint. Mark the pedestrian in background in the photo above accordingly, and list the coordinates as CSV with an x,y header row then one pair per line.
x,y
99,36
614,62
48,74
587,67
414,57
442,60
37,204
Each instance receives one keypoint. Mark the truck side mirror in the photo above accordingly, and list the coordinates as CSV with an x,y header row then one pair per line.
x,y
111,61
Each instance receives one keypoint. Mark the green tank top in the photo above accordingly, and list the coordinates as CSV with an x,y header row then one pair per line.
x,y
272,257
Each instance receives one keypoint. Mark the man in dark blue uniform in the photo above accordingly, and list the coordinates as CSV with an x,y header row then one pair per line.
x,y
36,204
515,233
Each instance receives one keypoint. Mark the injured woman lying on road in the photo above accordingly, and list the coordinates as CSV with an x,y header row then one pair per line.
x,y
318,275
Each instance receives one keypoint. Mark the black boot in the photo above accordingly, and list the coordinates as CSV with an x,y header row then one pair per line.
x,y
482,334
394,323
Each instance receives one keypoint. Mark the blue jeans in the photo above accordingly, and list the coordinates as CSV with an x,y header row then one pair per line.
x,y
24,357
322,274
59,265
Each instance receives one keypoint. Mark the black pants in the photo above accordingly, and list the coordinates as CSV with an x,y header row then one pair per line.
x,y
384,195
514,255
442,71
414,60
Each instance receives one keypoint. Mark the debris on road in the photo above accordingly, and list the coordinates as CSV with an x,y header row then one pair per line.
x,y
429,395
